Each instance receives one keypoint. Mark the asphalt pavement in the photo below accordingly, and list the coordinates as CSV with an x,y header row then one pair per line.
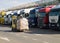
x,y
34,35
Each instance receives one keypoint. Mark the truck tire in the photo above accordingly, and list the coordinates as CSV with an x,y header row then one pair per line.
x,y
14,30
40,27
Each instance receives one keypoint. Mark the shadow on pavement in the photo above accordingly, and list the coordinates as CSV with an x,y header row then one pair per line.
x,y
32,30
42,31
5,26
5,31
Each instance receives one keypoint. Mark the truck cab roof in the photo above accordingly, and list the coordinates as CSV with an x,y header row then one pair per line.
x,y
46,9
56,8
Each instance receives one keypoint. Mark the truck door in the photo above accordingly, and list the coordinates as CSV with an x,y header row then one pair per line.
x,y
41,16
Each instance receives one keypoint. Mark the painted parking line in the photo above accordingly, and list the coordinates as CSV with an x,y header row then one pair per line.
x,y
43,35
25,36
34,39
38,34
4,38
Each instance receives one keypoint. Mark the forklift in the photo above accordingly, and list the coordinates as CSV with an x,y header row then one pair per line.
x,y
14,22
2,14
15,19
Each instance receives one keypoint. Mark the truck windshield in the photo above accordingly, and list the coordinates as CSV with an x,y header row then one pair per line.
x,y
56,13
42,14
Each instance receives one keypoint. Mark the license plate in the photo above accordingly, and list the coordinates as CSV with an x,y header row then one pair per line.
x,y
33,24
53,25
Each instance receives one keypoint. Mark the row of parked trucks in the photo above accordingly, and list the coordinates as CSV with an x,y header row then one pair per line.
x,y
42,17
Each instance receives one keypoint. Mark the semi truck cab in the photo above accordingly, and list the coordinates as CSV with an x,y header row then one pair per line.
x,y
43,17
54,18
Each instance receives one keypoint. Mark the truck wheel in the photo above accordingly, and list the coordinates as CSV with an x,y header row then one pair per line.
x,y
40,27
21,30
58,28
13,29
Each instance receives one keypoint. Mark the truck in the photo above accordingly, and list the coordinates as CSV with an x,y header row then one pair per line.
x,y
54,18
10,19
43,17
33,17
5,19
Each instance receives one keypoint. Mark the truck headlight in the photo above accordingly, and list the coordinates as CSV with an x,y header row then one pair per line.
x,y
57,24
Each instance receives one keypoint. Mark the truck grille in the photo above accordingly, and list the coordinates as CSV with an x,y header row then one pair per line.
x,y
52,20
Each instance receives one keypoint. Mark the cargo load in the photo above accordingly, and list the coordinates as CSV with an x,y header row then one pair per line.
x,y
22,24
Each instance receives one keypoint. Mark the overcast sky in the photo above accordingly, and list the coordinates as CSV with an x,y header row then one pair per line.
x,y
4,4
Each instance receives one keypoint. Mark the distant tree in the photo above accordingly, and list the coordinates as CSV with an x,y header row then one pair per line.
x,y
59,1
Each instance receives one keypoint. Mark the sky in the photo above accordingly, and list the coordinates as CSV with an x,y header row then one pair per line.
x,y
5,4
